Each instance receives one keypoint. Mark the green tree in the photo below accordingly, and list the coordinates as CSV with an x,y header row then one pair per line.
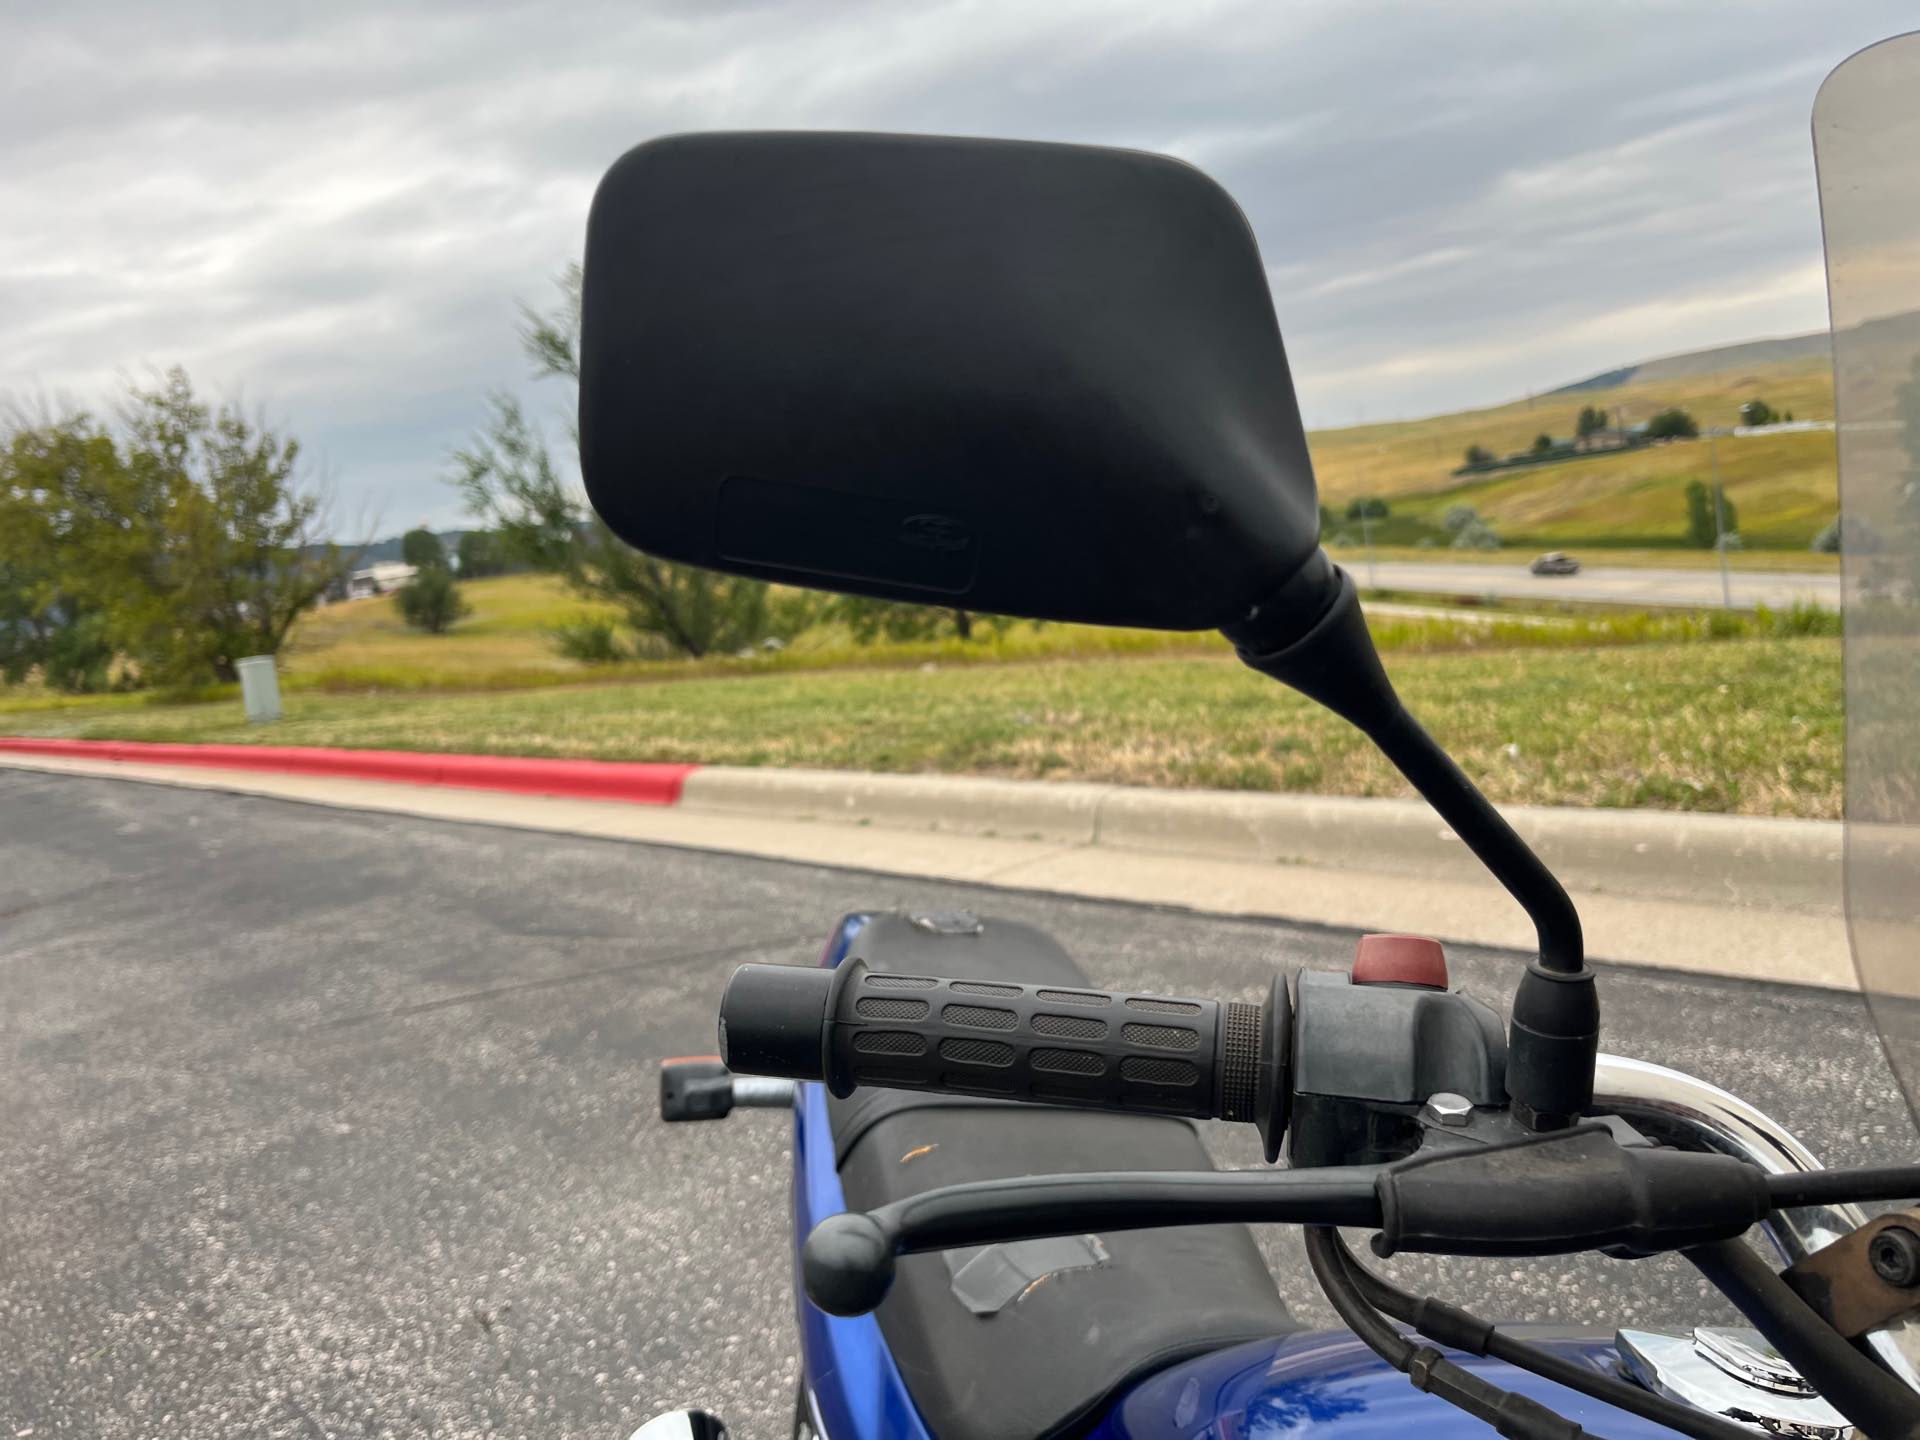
x,y
512,483
1367,507
1700,526
421,548
1458,518
1706,521
224,531
1592,420
1757,412
1672,424
50,482
178,542
1478,455
480,555
431,601
1542,443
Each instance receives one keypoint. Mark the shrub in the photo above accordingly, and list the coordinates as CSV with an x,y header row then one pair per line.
x,y
1478,455
870,620
1802,617
431,601
1458,518
590,639
1542,444
1477,536
1860,538
1367,507
1757,412
79,657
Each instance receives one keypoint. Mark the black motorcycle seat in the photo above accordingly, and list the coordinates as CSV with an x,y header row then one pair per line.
x,y
990,1360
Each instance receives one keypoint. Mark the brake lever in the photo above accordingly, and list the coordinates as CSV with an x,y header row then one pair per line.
x,y
1572,1190
847,1263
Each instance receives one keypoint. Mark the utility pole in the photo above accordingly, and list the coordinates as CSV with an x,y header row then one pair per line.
x,y
1719,519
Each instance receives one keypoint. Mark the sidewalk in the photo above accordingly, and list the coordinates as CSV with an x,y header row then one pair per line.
x,y
1757,899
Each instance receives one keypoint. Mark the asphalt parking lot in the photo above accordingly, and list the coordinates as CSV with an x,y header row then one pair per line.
x,y
327,1123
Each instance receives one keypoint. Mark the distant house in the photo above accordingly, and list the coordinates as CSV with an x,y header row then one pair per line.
x,y
1612,437
380,578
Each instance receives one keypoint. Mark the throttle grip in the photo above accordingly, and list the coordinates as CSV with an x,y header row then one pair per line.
x,y
1107,1050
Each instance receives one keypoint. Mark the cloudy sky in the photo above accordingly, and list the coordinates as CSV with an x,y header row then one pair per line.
x,y
331,209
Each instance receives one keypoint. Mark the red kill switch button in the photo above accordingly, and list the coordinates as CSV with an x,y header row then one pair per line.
x,y
1400,960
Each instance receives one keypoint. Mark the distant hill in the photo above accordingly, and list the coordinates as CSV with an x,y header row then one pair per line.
x,y
1782,350
1783,484
389,548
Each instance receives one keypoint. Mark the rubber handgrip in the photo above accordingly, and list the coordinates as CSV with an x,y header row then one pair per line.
x,y
1100,1049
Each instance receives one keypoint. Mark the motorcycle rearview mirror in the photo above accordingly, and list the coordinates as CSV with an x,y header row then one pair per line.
x,y
1035,380
1026,379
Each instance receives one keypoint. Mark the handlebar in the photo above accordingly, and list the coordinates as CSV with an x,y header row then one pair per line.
x,y
1099,1049
1467,1177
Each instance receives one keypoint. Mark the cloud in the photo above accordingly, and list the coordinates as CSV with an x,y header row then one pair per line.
x,y
337,207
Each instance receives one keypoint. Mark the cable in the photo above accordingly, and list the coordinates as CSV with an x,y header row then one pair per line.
x,y
1456,1328
1872,1399
1515,1416
1838,1187
1323,1257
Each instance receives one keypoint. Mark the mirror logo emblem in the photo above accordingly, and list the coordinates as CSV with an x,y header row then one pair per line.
x,y
936,532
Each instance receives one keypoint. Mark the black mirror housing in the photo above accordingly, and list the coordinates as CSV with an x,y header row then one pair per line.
x,y
1036,380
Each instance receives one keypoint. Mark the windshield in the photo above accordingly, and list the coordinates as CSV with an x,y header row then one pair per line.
x,y
1866,127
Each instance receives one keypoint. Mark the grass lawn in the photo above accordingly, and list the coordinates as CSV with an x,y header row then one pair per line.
x,y
361,646
1751,726
364,644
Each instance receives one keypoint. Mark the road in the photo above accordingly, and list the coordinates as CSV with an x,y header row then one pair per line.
x,y
324,1122
1620,585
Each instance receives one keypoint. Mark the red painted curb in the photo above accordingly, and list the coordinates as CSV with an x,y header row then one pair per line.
x,y
635,783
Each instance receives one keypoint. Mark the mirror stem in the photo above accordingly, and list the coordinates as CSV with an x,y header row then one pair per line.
x,y
1312,637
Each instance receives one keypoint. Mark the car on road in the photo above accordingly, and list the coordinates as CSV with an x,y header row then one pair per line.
x,y
1555,562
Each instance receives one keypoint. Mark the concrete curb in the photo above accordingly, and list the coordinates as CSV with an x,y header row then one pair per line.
x,y
1781,865
1715,859
887,825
